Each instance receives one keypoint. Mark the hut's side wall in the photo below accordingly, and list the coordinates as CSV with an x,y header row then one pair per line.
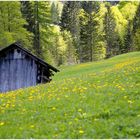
x,y
17,71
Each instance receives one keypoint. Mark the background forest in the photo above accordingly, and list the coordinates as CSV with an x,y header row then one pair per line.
x,y
69,32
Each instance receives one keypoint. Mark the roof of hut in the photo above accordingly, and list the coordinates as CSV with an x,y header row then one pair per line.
x,y
17,45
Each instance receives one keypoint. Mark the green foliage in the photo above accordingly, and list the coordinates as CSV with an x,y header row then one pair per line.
x,y
11,24
90,30
58,48
99,51
43,29
56,12
70,51
6,38
104,103
128,9
111,35
120,21
136,31
99,48
127,39
136,41
70,21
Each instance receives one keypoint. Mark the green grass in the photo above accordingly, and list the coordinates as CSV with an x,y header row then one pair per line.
x,y
91,100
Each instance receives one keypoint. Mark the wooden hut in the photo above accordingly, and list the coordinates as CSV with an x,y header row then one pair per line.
x,y
19,68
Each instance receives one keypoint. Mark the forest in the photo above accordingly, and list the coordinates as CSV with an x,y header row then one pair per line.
x,y
94,47
71,32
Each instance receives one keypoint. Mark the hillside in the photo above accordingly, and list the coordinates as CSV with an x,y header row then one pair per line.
x,y
90,100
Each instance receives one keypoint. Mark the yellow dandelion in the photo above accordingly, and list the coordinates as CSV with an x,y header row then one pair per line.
x,y
32,126
53,108
13,105
81,131
129,101
79,110
1,123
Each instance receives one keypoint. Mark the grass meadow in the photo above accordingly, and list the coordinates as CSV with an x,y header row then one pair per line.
x,y
89,100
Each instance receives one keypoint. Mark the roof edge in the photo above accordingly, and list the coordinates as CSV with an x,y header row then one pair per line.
x,y
18,45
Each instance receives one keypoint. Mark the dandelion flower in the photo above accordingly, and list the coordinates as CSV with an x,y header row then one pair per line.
x,y
1,123
81,131
53,108
32,126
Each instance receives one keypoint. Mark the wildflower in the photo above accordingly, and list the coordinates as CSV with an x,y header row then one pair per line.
x,y
85,88
70,123
1,123
32,126
13,105
79,110
123,89
129,101
81,131
84,114
53,108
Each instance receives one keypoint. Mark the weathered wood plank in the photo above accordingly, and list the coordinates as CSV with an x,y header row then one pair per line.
x,y
19,68
16,71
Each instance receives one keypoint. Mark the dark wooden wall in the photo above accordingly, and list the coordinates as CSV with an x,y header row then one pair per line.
x,y
17,70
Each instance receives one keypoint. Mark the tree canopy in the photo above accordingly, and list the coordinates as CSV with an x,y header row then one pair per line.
x,y
70,32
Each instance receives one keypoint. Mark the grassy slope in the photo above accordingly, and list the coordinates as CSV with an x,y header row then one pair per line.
x,y
91,100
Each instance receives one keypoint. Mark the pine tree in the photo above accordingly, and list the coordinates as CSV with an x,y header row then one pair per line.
x,y
12,24
37,45
70,21
136,30
70,49
38,16
27,11
136,21
127,38
55,13
111,36
89,29
125,24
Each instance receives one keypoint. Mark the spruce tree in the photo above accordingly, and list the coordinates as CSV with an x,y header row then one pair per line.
x,y
12,25
70,21
88,33
55,13
111,35
27,11
136,30
136,21
127,38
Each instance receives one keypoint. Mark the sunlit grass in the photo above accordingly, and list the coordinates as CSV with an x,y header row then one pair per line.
x,y
91,100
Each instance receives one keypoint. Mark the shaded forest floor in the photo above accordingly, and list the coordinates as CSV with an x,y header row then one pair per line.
x,y
91,100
